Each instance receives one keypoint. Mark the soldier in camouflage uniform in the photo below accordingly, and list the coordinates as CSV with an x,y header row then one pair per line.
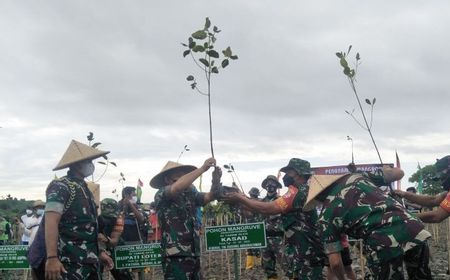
x,y
71,219
176,203
304,254
274,231
110,228
352,204
253,255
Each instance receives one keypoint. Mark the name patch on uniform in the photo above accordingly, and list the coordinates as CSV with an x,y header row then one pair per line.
x,y
285,202
445,204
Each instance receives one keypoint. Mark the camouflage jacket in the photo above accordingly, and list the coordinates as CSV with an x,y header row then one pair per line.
x,y
274,223
178,219
78,229
355,206
301,228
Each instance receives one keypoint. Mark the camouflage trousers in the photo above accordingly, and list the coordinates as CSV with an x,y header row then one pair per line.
x,y
78,271
271,253
416,261
296,267
181,268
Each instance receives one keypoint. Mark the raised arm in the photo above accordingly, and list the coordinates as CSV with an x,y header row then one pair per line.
x,y
185,181
424,200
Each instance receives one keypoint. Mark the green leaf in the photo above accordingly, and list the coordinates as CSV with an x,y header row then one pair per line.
x,y
95,145
186,52
225,63
190,78
193,85
339,54
347,71
207,23
105,157
113,163
213,53
357,56
225,165
349,48
216,29
101,162
191,43
206,45
234,57
215,70
227,52
204,62
198,48
343,62
374,100
183,44
368,101
199,35
90,137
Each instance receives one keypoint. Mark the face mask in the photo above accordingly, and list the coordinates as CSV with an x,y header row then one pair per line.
x,y
288,180
40,212
87,169
134,199
29,212
271,189
446,183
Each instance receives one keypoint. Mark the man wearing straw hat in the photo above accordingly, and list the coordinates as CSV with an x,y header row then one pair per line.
x,y
176,203
71,229
304,255
353,204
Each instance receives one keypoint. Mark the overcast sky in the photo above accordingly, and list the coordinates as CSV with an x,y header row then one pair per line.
x,y
116,68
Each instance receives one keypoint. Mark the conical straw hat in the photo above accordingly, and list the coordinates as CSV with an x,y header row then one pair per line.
x,y
158,181
317,184
77,152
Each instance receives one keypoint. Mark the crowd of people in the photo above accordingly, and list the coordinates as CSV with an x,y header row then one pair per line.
x,y
307,228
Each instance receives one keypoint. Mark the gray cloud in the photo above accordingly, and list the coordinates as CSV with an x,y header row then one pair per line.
x,y
117,69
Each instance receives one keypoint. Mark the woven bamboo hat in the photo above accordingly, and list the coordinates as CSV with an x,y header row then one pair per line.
x,y
317,184
77,152
38,203
158,181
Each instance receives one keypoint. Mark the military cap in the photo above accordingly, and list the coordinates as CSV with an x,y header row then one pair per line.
x,y
301,166
270,178
254,192
109,207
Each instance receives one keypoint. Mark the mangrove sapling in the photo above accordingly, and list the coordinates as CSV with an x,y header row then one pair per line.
x,y
201,48
106,163
350,73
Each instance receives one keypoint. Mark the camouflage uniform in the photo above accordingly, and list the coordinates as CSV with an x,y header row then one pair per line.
x,y
274,237
180,242
304,254
355,206
78,230
253,218
107,223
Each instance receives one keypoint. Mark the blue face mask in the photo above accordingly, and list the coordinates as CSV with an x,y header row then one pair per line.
x,y
40,212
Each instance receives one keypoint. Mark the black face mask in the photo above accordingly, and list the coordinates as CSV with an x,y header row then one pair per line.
x,y
288,180
446,183
271,189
